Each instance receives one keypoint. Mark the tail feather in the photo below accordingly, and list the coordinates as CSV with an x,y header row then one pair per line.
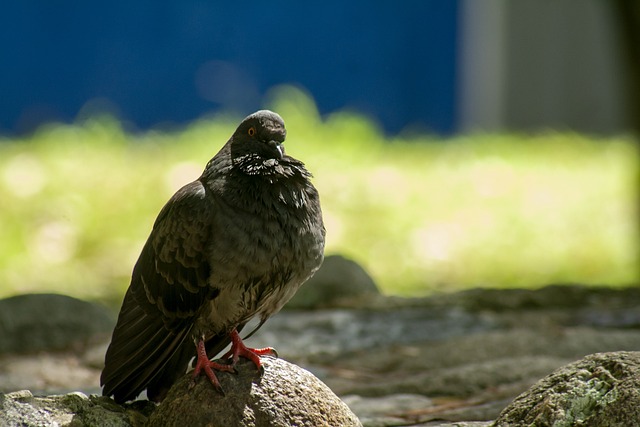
x,y
140,352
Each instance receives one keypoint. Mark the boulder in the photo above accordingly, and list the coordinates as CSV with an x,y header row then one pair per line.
x,y
42,322
284,395
22,408
600,390
340,282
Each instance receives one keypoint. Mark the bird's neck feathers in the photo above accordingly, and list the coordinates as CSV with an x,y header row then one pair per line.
x,y
272,181
238,164
270,169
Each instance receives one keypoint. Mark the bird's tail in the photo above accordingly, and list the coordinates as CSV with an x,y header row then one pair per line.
x,y
143,354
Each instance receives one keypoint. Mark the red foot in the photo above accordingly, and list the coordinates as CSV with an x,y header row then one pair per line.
x,y
204,364
238,349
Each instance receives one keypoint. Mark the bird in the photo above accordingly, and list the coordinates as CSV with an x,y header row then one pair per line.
x,y
233,245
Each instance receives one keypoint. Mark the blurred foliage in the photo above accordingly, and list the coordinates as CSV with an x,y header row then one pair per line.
x,y
420,213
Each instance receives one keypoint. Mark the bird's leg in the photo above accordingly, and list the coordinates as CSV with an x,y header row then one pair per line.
x,y
204,364
238,349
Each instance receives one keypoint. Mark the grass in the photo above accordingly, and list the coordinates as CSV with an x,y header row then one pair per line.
x,y
419,212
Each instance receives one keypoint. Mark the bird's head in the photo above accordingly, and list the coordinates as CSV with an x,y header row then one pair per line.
x,y
262,133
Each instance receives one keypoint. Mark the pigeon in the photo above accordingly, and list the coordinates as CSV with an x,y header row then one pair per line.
x,y
234,244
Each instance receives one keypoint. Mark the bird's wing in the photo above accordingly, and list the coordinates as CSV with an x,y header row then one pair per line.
x,y
173,270
168,287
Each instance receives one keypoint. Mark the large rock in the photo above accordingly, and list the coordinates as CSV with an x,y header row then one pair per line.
x,y
469,353
600,390
21,408
284,395
340,282
37,322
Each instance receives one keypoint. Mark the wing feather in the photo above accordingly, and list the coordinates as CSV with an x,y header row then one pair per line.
x,y
151,343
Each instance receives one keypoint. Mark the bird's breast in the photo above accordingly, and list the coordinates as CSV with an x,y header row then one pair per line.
x,y
260,257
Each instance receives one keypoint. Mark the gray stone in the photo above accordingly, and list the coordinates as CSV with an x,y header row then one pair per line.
x,y
284,395
600,390
470,353
505,362
331,332
47,373
388,410
587,304
21,408
458,424
340,282
37,322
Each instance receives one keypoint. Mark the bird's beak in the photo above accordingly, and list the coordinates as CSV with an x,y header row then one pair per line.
x,y
278,147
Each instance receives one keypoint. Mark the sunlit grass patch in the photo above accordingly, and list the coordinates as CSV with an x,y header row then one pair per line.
x,y
421,213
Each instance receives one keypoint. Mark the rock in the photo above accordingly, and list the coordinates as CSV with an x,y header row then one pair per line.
x,y
340,282
387,410
470,353
509,361
21,408
37,322
600,390
573,298
462,424
47,373
332,332
285,395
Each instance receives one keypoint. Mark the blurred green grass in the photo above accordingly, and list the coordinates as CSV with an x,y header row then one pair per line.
x,y
421,213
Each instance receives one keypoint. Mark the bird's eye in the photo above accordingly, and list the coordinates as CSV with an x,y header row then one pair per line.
x,y
251,131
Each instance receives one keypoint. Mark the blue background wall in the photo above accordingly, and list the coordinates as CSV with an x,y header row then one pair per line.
x,y
173,61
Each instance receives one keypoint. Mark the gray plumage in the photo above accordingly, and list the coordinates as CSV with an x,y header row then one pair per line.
x,y
234,244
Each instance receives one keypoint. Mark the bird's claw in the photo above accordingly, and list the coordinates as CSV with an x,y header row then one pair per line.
x,y
272,352
239,349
